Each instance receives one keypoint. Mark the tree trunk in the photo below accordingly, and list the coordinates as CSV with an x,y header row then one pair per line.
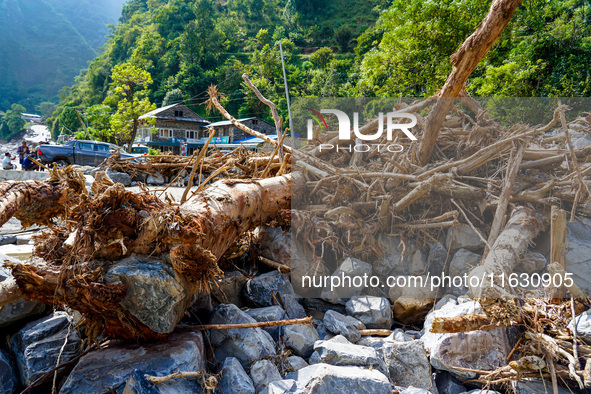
x,y
115,224
465,61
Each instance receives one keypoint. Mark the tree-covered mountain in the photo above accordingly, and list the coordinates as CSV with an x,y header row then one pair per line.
x,y
45,44
332,48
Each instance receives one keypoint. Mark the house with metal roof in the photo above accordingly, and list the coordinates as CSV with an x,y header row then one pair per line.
x,y
175,126
232,134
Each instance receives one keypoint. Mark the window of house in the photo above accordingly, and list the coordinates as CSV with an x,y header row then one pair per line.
x,y
165,133
255,121
192,134
178,113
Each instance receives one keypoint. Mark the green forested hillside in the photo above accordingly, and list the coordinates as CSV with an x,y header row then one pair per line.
x,y
332,48
45,43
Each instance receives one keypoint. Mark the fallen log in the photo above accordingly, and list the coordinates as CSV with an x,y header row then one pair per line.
x,y
98,230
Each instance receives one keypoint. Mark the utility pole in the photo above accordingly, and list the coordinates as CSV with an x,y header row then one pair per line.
x,y
286,90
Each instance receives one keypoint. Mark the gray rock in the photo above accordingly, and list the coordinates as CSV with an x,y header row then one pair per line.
x,y
300,339
137,383
295,363
321,330
578,252
436,259
536,386
328,379
317,304
7,239
19,310
234,379
260,290
229,288
482,391
247,345
293,309
373,312
155,179
113,366
269,313
8,374
408,365
274,243
398,260
484,350
349,268
463,261
339,351
583,322
532,262
398,335
133,183
462,236
346,326
37,346
447,384
286,386
581,142
120,177
413,390
155,294
262,373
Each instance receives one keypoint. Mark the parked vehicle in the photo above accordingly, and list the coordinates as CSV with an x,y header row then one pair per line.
x,y
81,152
138,149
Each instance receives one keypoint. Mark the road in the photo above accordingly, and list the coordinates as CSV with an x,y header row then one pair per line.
x,y
38,133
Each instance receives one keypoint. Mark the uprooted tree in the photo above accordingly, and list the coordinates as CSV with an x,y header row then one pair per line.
x,y
96,230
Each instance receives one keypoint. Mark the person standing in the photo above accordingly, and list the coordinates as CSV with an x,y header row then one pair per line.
x,y
7,163
22,151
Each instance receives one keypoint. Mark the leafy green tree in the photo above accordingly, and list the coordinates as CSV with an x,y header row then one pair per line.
x,y
46,108
411,44
99,122
129,93
11,123
173,96
322,57
343,36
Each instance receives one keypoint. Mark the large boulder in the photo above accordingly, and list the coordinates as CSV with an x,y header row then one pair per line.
x,y
40,344
155,179
408,365
137,383
262,373
583,322
483,350
346,326
346,281
8,374
269,313
19,309
155,293
462,236
113,366
578,252
247,345
234,378
373,312
328,379
228,290
120,177
263,289
339,351
300,339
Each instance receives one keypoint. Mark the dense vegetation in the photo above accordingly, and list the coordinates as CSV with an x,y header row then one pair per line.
x,y
332,48
44,45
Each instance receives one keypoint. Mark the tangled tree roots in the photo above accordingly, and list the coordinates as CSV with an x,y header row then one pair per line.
x,y
97,230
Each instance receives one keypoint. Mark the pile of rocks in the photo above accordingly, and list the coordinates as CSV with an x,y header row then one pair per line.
x,y
334,354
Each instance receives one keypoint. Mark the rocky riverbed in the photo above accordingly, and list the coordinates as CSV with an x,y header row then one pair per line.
x,y
332,355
